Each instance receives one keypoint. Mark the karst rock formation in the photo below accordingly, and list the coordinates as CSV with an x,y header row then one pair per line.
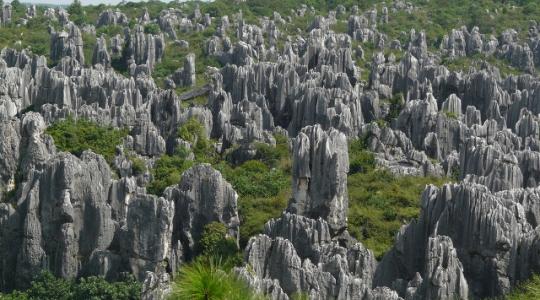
x,y
80,215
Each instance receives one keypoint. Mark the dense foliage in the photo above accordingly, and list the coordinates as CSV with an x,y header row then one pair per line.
x,y
47,286
76,136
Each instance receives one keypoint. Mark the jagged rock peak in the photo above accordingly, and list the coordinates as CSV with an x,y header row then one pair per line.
x,y
320,167
202,196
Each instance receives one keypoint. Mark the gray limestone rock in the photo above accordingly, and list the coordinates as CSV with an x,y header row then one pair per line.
x,y
67,42
276,264
5,16
110,17
202,197
66,215
487,230
101,55
320,167
144,48
146,235
186,76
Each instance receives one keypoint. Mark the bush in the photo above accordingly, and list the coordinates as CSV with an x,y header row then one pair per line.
x,y
255,179
360,160
151,29
98,288
379,202
215,243
137,166
396,105
275,157
77,136
76,13
264,186
256,211
167,171
47,286
451,115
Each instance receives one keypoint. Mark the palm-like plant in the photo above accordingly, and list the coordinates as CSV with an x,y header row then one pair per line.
x,y
205,279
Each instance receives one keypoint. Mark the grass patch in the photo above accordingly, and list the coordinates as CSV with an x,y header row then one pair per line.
x,y
263,185
379,202
527,290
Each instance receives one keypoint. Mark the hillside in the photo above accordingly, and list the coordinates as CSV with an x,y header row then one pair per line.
x,y
286,149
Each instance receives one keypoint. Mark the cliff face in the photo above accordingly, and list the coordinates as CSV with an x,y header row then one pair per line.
x,y
83,215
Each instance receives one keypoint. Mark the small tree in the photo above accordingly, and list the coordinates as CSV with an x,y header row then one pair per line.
x,y
76,12
75,8
17,6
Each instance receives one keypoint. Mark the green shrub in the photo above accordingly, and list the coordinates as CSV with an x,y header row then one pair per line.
x,y
275,157
216,243
203,148
77,136
264,186
256,211
167,171
450,115
47,286
255,179
137,166
98,288
379,202
151,28
396,105
76,13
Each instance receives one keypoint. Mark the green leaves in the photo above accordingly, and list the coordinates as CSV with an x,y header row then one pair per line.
x,y
216,243
205,279
47,286
167,171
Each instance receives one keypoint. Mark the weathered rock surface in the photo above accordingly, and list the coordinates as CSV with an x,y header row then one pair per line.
x,y
476,238
67,42
320,167
110,17
202,197
186,76
296,254
101,55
